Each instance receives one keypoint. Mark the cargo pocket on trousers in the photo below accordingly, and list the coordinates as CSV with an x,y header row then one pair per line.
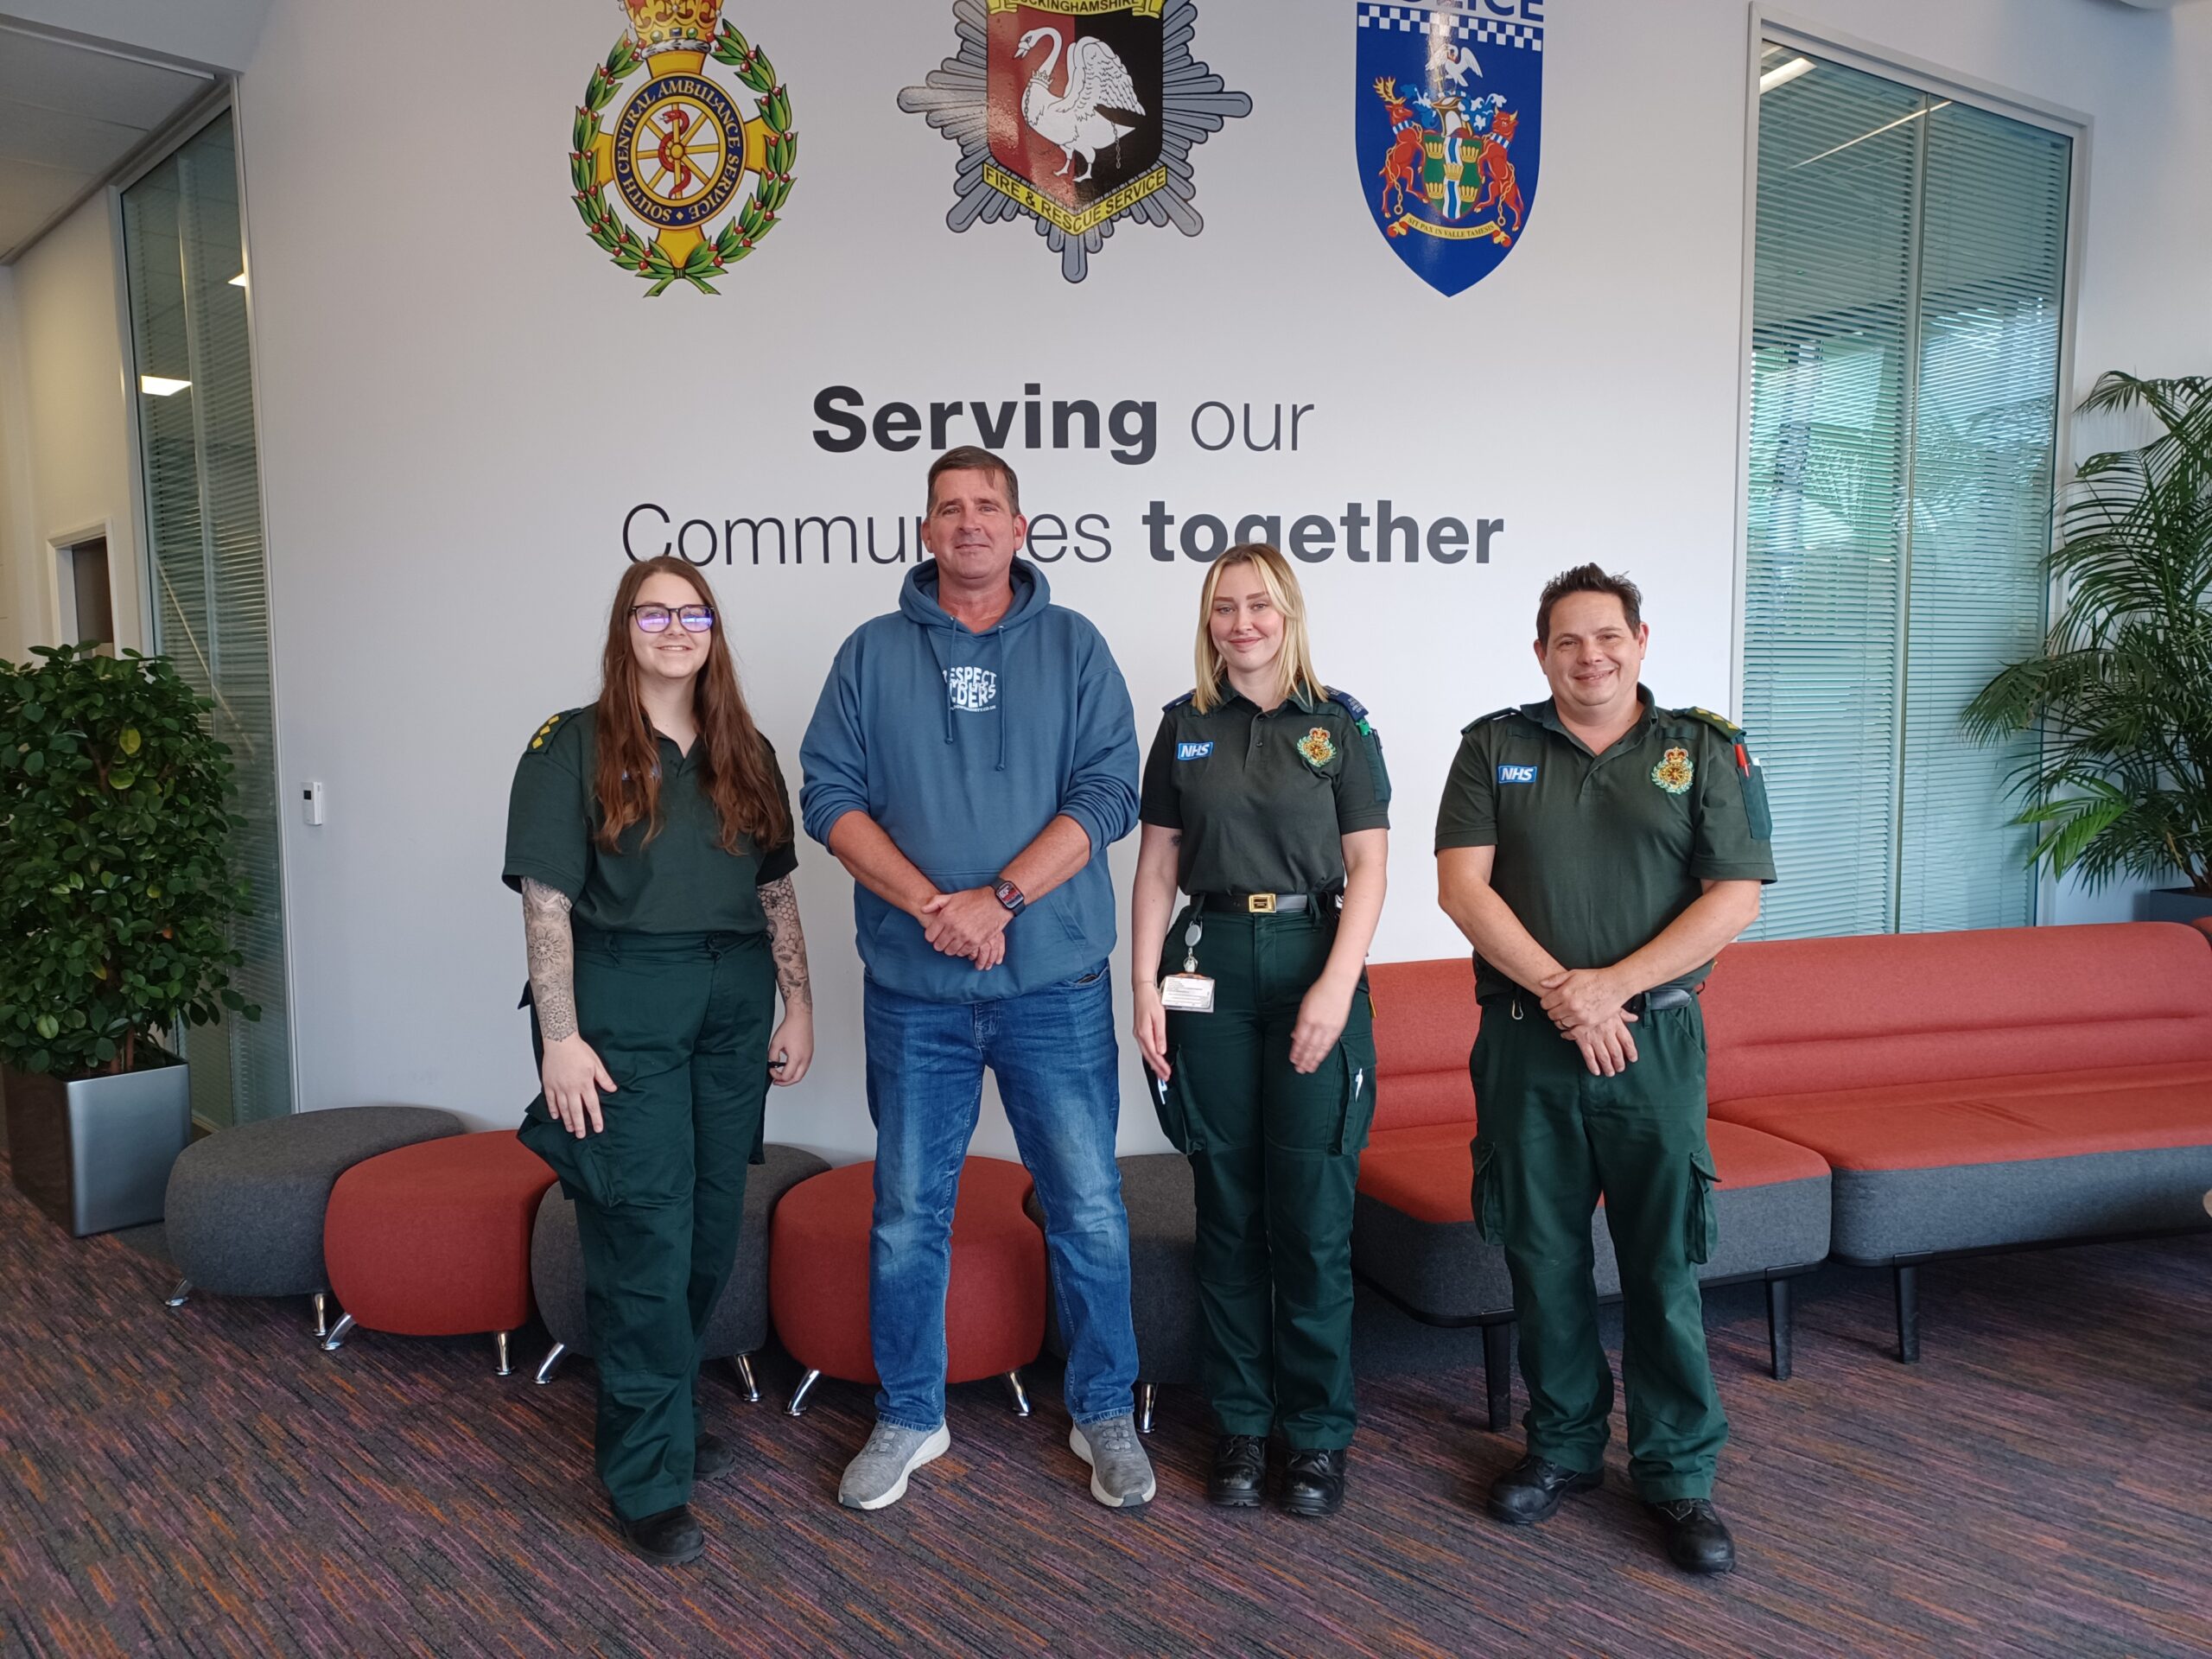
x,y
1173,1105
1489,1219
1356,1111
1703,1225
585,1172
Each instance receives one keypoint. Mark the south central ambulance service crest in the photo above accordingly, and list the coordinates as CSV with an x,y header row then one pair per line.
x,y
1447,130
1674,771
660,168
1076,114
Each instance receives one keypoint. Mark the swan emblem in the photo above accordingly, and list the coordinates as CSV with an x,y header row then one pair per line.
x,y
1076,121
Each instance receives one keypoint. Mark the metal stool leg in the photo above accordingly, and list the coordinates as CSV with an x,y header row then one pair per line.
x,y
499,1344
1147,1397
797,1407
551,1362
1017,1396
321,1301
180,1295
336,1340
746,1382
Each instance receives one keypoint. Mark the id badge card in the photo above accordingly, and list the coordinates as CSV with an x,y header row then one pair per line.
x,y
1190,991
1186,993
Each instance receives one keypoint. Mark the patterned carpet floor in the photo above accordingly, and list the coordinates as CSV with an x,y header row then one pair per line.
x,y
208,1482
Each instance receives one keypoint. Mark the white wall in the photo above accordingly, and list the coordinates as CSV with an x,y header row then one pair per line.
x,y
217,33
14,473
460,400
66,438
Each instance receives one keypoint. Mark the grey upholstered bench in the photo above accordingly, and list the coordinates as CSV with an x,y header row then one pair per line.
x,y
1162,1203
739,1328
244,1214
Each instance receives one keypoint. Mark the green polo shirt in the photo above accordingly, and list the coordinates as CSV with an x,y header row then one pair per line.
x,y
1597,853
681,882
1264,801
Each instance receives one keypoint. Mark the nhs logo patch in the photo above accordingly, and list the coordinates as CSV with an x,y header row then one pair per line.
x,y
973,690
1517,774
1193,751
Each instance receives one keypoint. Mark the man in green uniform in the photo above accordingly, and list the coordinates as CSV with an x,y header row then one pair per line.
x,y
1597,852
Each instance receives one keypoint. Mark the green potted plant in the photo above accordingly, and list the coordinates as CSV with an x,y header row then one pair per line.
x,y
116,901
2122,693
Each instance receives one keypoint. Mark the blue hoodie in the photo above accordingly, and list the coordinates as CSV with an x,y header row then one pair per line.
x,y
963,747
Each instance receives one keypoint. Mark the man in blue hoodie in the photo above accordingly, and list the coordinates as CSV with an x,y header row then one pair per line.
x,y
971,759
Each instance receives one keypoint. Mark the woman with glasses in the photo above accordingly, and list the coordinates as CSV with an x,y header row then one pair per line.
x,y
651,838
1266,800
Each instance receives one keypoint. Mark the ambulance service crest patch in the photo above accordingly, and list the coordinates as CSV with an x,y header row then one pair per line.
x,y
1075,114
1674,771
1449,130
659,168
1316,747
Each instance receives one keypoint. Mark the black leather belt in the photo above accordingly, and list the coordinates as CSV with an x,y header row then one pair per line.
x,y
1667,996
1255,904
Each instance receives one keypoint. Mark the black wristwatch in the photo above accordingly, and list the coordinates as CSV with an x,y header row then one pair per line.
x,y
1009,895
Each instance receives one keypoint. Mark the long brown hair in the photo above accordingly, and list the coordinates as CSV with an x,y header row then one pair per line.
x,y
734,766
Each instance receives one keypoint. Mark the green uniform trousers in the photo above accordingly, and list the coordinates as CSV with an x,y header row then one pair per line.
x,y
1275,1156
682,1023
1552,1138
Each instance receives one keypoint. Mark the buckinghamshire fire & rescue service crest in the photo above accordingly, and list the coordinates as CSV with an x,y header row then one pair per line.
x,y
1077,114
676,151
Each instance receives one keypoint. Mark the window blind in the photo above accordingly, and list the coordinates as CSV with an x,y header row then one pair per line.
x,y
183,247
1908,271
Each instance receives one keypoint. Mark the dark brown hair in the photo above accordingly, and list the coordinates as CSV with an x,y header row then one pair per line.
x,y
1588,579
968,458
733,764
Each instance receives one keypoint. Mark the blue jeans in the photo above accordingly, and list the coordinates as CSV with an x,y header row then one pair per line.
x,y
1058,1068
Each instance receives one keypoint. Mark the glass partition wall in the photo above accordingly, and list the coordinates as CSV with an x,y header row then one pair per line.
x,y
184,255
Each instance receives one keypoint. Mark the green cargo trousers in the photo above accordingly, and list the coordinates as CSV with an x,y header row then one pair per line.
x,y
1552,1138
682,1023
1275,1156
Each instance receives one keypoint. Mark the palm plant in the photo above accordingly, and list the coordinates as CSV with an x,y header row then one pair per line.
x,y
2122,693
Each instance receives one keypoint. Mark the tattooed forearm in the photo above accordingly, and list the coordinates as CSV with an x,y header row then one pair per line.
x,y
552,959
787,942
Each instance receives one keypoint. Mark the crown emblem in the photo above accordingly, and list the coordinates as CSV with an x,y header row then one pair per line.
x,y
673,25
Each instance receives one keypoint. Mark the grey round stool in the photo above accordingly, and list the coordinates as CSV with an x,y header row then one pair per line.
x,y
1161,1198
739,1327
244,1213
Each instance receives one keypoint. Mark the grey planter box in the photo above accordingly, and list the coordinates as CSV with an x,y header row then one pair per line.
x,y
2171,905
95,1153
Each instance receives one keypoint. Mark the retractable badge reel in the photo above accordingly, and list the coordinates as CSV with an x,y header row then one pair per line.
x,y
1190,991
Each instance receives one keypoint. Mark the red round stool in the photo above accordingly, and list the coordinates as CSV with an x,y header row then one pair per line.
x,y
993,1306
433,1239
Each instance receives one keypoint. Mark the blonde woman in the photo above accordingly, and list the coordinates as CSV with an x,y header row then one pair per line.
x,y
1266,800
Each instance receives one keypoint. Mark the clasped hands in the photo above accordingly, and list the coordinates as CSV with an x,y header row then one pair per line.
x,y
1586,1005
971,922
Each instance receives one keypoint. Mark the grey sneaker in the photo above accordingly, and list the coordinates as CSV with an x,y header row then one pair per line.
x,y
1121,1474
878,1476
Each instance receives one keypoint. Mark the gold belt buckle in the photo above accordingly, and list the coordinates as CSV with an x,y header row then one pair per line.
x,y
1260,904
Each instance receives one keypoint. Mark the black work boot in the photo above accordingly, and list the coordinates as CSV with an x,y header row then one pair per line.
x,y
1531,1489
712,1456
1240,1472
671,1538
1314,1482
1697,1540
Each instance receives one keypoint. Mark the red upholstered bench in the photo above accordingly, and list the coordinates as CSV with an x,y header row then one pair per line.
x,y
993,1307
1413,1233
1978,1091
433,1239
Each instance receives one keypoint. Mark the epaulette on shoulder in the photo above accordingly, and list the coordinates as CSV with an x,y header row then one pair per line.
x,y
1726,727
1348,703
1168,708
1485,719
544,733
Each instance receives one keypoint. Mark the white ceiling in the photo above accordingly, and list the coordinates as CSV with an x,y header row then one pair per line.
x,y
70,113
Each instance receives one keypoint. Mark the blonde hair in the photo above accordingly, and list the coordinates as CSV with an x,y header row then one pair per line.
x,y
1294,662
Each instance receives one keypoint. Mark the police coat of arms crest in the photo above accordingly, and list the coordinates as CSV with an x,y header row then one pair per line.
x,y
1449,130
